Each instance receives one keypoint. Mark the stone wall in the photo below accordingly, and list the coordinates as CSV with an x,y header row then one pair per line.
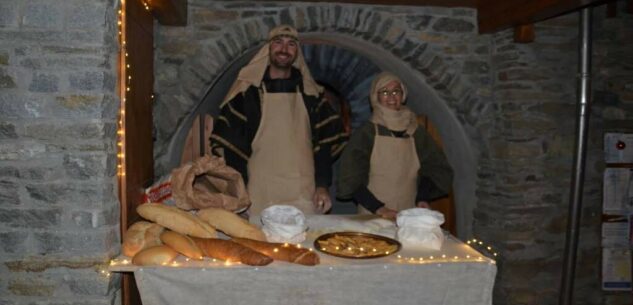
x,y
524,184
515,102
59,214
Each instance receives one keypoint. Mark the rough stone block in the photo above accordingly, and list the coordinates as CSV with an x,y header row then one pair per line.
x,y
93,218
95,165
9,171
97,285
90,194
33,286
91,80
89,37
475,67
285,17
464,12
44,82
418,22
504,149
87,242
7,131
77,105
69,131
201,17
33,218
20,150
4,57
13,105
6,81
346,21
13,242
86,15
43,14
9,13
452,25
9,193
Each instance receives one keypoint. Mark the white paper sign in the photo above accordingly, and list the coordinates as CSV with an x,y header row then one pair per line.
x,y
617,191
615,234
618,147
616,269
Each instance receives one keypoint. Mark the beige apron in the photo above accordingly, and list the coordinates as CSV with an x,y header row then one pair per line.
x,y
393,172
281,166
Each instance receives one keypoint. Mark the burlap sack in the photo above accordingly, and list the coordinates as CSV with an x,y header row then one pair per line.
x,y
208,182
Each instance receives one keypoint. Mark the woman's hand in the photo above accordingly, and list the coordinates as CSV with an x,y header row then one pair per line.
x,y
387,213
423,204
321,200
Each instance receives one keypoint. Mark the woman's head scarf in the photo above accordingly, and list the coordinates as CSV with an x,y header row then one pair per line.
x,y
398,120
253,73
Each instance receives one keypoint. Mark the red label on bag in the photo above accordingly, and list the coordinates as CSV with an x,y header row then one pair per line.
x,y
158,193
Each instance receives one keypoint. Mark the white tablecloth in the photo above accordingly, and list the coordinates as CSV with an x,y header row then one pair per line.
x,y
456,274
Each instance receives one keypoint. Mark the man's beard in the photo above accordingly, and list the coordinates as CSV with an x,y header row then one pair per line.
x,y
281,65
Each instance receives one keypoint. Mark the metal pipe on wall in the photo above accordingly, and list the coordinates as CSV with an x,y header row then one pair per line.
x,y
582,121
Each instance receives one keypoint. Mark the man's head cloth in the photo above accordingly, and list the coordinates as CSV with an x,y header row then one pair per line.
x,y
283,30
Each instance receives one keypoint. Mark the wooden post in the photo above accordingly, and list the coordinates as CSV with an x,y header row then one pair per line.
x,y
524,33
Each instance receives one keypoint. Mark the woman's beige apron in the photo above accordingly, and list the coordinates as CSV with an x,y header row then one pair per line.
x,y
393,172
281,166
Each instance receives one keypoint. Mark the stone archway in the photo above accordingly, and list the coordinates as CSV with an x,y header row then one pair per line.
x,y
447,100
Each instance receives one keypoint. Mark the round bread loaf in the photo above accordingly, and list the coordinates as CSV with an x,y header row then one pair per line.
x,y
155,256
141,235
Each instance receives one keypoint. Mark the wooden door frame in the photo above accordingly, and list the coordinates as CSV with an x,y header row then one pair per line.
x,y
136,59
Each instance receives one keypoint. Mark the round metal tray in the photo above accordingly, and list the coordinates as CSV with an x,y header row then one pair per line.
x,y
388,240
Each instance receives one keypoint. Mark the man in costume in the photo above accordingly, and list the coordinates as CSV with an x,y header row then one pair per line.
x,y
276,129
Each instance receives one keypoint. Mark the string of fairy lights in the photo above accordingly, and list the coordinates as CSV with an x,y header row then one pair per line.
x,y
486,254
125,78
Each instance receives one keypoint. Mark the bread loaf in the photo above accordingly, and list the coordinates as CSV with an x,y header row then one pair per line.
x,y
141,235
231,252
183,244
158,255
176,220
282,252
231,224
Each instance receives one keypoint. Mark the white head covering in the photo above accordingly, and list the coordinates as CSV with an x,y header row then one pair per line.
x,y
398,120
253,73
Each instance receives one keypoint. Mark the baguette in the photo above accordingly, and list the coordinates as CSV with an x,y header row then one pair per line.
x,y
183,244
176,220
158,255
231,224
282,252
139,236
229,251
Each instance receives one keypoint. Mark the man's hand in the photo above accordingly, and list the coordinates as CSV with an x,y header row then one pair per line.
x,y
387,213
321,200
423,204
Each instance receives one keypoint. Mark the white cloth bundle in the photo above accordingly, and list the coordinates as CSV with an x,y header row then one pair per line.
x,y
419,227
283,224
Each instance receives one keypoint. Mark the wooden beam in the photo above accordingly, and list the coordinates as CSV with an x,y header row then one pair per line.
x,y
496,15
444,3
169,12
524,33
